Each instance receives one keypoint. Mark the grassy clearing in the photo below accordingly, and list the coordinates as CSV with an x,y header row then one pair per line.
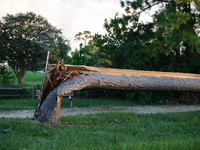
x,y
32,78
119,131
17,104
28,103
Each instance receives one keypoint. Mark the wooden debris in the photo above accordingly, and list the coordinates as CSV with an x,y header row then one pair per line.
x,y
63,65
60,73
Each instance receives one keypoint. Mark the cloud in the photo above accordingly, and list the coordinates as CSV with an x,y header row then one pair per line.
x,y
12,6
87,15
145,17
70,16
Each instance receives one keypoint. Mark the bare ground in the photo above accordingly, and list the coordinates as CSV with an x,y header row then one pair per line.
x,y
93,110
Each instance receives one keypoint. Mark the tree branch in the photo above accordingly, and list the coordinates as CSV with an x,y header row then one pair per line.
x,y
150,6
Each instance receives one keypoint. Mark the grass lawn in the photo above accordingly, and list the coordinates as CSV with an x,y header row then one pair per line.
x,y
17,104
32,78
117,131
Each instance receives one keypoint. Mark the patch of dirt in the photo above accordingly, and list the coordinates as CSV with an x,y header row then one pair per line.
x,y
93,110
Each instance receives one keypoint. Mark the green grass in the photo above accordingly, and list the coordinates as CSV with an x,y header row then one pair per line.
x,y
18,104
111,131
28,103
32,78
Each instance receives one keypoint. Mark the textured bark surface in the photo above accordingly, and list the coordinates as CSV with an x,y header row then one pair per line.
x,y
123,82
49,110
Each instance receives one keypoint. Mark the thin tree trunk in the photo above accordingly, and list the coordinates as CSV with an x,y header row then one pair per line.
x,y
20,79
178,55
50,109
19,74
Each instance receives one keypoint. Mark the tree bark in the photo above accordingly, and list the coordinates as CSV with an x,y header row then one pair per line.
x,y
50,109
20,79
19,74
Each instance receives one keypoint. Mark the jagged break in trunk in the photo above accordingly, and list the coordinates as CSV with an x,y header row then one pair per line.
x,y
49,110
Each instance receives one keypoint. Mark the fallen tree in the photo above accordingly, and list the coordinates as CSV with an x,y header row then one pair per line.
x,y
64,78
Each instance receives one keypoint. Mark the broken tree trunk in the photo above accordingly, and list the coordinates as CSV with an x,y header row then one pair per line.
x,y
77,78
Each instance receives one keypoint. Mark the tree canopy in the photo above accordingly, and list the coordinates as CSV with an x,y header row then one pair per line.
x,y
85,35
169,43
87,54
25,40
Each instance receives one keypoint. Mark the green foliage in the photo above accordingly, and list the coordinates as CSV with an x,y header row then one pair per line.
x,y
30,78
21,91
25,40
87,53
78,56
60,51
169,43
174,131
6,77
86,35
154,97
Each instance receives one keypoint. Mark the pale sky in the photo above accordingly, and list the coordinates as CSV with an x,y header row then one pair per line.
x,y
72,16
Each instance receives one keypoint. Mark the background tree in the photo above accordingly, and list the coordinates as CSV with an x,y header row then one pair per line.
x,y
78,56
169,43
60,51
85,36
87,53
92,54
6,77
25,40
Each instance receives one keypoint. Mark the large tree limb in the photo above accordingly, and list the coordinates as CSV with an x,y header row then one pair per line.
x,y
50,108
124,82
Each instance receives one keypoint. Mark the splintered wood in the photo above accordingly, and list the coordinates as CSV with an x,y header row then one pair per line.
x,y
59,73
62,73
113,71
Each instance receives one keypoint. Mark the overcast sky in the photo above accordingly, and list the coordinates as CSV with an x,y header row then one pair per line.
x,y
72,16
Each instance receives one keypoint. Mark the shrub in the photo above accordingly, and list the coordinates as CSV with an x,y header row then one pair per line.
x,y
6,77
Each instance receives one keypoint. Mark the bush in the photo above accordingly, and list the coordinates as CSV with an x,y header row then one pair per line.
x,y
155,97
6,77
